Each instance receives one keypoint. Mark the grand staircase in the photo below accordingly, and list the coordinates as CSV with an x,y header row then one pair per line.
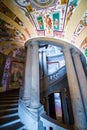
x,y
9,119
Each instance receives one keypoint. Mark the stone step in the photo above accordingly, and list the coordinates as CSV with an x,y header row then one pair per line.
x,y
7,120
2,113
3,106
8,101
13,125
22,128
10,109
8,115
9,98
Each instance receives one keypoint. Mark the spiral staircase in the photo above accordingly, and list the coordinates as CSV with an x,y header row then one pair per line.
x,y
9,118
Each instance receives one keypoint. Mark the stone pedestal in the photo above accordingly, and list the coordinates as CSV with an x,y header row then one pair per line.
x,y
31,117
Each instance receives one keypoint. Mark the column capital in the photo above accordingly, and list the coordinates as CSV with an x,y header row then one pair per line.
x,y
30,43
34,42
65,49
44,51
76,52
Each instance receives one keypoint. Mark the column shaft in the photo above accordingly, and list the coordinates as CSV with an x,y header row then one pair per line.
x,y
35,90
45,70
41,64
65,109
77,105
27,75
45,85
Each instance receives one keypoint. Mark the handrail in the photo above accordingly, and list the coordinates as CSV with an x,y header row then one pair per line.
x,y
55,76
57,70
48,123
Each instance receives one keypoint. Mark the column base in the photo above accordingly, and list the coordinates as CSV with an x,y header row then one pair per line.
x,y
31,117
36,112
35,107
26,101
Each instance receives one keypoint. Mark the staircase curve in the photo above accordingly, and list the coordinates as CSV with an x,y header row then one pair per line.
x,y
9,118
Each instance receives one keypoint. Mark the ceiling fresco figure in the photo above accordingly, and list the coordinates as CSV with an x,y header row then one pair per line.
x,y
46,17
56,21
48,21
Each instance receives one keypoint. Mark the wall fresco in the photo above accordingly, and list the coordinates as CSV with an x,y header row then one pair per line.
x,y
56,20
5,10
83,47
72,4
40,23
50,20
80,27
9,33
16,76
6,73
2,64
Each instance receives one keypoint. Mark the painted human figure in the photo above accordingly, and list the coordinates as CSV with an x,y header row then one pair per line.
x,y
69,14
56,24
48,22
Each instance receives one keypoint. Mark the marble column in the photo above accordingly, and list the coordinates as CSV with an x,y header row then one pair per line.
x,y
45,79
45,71
41,63
44,63
65,109
81,77
30,115
35,90
77,105
27,76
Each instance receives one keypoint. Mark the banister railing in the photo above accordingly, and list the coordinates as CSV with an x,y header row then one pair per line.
x,y
57,75
51,124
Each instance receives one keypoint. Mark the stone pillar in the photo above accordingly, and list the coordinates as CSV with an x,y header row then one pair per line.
x,y
27,76
44,63
81,77
65,109
30,116
41,75
45,80
41,63
35,90
45,71
77,105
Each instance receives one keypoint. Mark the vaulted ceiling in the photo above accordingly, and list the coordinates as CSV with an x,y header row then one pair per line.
x,y
21,20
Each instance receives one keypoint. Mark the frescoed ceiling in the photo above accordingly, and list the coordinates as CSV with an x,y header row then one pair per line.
x,y
21,20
